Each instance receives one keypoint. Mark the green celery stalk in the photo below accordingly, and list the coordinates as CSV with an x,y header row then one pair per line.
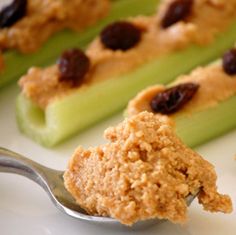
x,y
79,110
18,63
200,127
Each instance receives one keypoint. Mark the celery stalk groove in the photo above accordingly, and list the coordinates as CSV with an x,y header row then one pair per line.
x,y
99,101
18,63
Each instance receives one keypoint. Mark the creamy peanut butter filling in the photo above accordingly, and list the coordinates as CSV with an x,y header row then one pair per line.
x,y
143,172
214,86
207,19
45,17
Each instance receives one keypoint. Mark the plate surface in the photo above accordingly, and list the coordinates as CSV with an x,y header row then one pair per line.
x,y
26,209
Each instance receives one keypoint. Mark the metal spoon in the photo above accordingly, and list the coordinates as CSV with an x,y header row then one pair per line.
x,y
52,182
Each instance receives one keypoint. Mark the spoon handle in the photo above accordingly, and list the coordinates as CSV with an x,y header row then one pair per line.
x,y
11,162
50,180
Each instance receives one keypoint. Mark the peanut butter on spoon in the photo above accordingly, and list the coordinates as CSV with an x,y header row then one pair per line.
x,y
143,172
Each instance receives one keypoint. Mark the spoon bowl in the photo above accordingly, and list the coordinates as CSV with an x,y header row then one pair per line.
x,y
52,182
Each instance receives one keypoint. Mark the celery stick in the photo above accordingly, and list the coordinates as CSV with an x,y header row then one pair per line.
x,y
200,127
81,109
17,63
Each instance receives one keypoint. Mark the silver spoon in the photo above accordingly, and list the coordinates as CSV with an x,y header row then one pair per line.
x,y
52,182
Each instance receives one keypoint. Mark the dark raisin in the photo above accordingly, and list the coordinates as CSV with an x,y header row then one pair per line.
x,y
10,14
73,66
229,62
178,10
120,35
172,99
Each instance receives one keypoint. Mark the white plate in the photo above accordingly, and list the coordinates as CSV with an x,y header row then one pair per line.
x,y
26,209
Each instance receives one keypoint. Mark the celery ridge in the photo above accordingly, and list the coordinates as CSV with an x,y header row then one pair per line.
x,y
69,115
18,63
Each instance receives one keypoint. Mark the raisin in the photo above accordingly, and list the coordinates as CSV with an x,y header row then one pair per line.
x,y
229,62
120,35
73,66
172,99
178,10
10,14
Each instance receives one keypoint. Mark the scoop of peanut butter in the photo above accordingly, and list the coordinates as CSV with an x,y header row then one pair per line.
x,y
143,172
